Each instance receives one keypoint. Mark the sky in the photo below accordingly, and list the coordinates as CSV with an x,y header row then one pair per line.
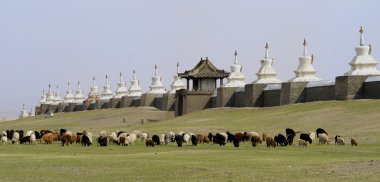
x,y
54,42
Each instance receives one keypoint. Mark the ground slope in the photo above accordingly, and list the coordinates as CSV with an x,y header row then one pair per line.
x,y
359,118
205,162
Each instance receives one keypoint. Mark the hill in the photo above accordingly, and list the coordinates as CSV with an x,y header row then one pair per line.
x,y
205,162
358,118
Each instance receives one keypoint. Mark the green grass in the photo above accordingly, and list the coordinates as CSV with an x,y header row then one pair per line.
x,y
206,162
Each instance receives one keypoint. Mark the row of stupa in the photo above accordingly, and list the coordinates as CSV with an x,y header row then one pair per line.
x,y
24,113
157,87
362,64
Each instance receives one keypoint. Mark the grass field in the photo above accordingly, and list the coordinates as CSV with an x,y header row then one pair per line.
x,y
206,162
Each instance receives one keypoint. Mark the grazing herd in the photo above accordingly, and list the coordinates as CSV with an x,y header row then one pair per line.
x,y
85,138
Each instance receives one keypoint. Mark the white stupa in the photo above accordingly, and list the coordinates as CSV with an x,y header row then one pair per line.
x,y
363,63
50,96
266,73
236,77
24,112
122,89
31,113
177,83
94,90
57,97
79,98
135,90
43,97
69,97
157,87
305,71
107,92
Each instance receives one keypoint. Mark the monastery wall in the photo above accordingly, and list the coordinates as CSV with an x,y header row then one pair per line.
x,y
372,88
252,95
320,91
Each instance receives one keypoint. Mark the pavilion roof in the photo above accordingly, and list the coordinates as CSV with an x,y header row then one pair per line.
x,y
204,69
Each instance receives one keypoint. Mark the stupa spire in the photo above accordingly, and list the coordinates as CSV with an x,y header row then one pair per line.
x,y
363,63
305,71
156,87
266,73
236,60
50,96
24,112
266,50
304,47
236,77
79,85
43,97
94,90
155,70
134,89
57,97
177,83
134,75
121,90
107,92
69,98
361,36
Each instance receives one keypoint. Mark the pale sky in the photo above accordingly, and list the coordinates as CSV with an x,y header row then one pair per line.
x,y
56,42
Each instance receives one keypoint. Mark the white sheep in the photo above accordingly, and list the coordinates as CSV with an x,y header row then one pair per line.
x,y
323,138
186,137
16,138
312,136
28,133
89,135
132,138
4,138
340,141
32,138
143,136
113,138
162,139
251,134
